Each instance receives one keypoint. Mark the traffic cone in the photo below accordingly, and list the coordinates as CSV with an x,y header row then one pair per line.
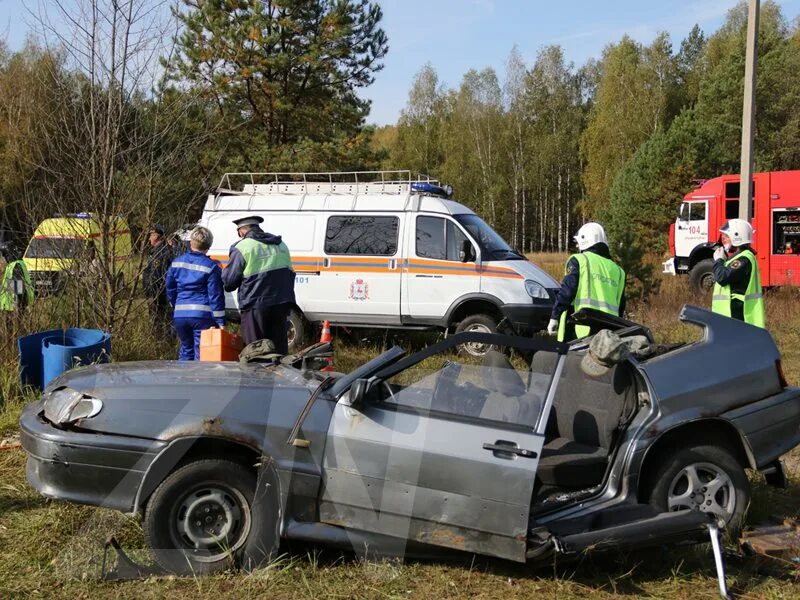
x,y
325,338
326,332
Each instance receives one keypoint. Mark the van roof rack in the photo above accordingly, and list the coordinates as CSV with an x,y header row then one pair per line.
x,y
343,182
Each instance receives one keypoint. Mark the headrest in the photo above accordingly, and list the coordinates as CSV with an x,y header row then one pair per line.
x,y
500,376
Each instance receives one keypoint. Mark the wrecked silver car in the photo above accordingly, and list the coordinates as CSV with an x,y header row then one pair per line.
x,y
518,456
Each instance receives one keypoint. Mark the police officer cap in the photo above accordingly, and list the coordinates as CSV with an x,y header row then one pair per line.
x,y
251,220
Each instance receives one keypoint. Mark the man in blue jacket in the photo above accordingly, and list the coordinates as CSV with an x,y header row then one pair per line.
x,y
260,267
194,289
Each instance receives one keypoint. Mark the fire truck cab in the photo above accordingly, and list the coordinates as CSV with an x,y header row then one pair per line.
x,y
776,221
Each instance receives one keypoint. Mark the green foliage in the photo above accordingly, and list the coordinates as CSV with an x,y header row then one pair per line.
x,y
284,76
642,281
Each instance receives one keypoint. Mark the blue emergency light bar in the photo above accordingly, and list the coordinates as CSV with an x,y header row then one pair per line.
x,y
431,189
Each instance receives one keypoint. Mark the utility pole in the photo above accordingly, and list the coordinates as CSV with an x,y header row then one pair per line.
x,y
748,112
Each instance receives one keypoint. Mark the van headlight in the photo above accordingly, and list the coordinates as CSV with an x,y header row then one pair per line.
x,y
536,289
64,406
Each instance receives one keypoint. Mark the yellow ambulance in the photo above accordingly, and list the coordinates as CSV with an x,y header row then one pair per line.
x,y
59,244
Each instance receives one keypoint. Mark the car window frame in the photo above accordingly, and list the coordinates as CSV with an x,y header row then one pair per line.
x,y
536,345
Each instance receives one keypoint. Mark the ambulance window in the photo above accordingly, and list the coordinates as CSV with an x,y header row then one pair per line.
x,y
367,235
430,237
698,212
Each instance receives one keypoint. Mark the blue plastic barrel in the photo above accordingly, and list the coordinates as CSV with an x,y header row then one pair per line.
x,y
45,355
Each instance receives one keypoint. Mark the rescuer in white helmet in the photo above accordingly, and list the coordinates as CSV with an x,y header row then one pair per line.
x,y
591,280
737,287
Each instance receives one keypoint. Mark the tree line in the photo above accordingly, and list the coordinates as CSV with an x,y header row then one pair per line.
x,y
546,146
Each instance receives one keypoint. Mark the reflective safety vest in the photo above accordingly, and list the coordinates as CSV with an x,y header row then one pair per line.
x,y
8,295
752,299
260,257
600,286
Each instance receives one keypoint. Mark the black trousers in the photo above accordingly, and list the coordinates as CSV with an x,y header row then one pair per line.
x,y
266,323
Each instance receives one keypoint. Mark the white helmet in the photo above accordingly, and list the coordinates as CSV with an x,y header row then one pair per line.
x,y
589,235
739,230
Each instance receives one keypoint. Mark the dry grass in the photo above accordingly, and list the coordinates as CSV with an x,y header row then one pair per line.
x,y
53,550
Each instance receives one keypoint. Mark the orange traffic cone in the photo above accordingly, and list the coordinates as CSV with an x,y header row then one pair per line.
x,y
325,338
326,332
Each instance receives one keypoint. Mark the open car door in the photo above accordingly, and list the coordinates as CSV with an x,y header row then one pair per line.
x,y
444,456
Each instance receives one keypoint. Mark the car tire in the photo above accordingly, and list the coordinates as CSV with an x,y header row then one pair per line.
x,y
216,494
701,277
699,465
481,323
297,328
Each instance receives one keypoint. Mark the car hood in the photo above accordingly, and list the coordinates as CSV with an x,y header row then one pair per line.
x,y
528,270
167,399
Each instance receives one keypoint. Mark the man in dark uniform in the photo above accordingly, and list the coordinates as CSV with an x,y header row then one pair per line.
x,y
260,267
591,280
154,280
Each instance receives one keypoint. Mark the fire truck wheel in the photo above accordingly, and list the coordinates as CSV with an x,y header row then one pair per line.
x,y
701,277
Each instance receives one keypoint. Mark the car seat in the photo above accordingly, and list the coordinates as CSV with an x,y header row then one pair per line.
x,y
509,399
586,417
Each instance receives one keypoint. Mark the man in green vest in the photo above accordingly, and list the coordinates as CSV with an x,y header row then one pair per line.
x,y
16,289
737,287
260,267
591,280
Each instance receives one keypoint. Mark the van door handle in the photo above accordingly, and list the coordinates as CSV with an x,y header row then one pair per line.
x,y
326,262
504,449
392,263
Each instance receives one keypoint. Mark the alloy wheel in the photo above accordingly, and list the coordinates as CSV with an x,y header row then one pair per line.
x,y
704,487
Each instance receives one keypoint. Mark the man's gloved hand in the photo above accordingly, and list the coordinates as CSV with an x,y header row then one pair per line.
x,y
719,254
552,327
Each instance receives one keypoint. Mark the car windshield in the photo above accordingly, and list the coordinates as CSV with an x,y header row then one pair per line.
x,y
54,247
493,247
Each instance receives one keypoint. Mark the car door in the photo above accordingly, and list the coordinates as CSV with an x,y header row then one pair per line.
x,y
434,274
440,469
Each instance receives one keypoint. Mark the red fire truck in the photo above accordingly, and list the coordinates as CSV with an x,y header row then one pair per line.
x,y
776,221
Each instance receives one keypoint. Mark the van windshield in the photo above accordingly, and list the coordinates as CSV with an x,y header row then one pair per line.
x,y
52,247
493,247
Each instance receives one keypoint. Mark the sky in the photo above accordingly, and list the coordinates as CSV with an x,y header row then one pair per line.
x,y
457,35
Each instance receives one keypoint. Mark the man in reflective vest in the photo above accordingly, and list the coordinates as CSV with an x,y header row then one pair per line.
x,y
260,267
591,280
737,287
16,289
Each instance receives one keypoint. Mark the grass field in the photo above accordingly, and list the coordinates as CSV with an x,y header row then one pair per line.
x,y
54,550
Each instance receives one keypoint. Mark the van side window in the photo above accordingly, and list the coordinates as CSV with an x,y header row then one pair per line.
x,y
375,236
430,237
439,238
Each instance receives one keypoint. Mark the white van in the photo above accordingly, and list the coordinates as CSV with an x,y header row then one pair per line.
x,y
383,249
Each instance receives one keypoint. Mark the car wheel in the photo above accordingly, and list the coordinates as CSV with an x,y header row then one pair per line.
x,y
707,478
296,331
199,519
478,324
701,277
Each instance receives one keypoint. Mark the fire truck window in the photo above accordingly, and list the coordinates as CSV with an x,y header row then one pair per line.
x,y
786,232
683,212
698,211
731,209
376,236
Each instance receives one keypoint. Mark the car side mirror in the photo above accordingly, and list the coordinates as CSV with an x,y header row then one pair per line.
x,y
358,392
467,253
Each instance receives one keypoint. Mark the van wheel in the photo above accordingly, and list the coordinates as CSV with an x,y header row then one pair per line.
x,y
477,324
701,277
296,330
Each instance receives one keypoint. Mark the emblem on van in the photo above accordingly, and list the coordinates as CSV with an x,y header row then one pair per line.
x,y
359,290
